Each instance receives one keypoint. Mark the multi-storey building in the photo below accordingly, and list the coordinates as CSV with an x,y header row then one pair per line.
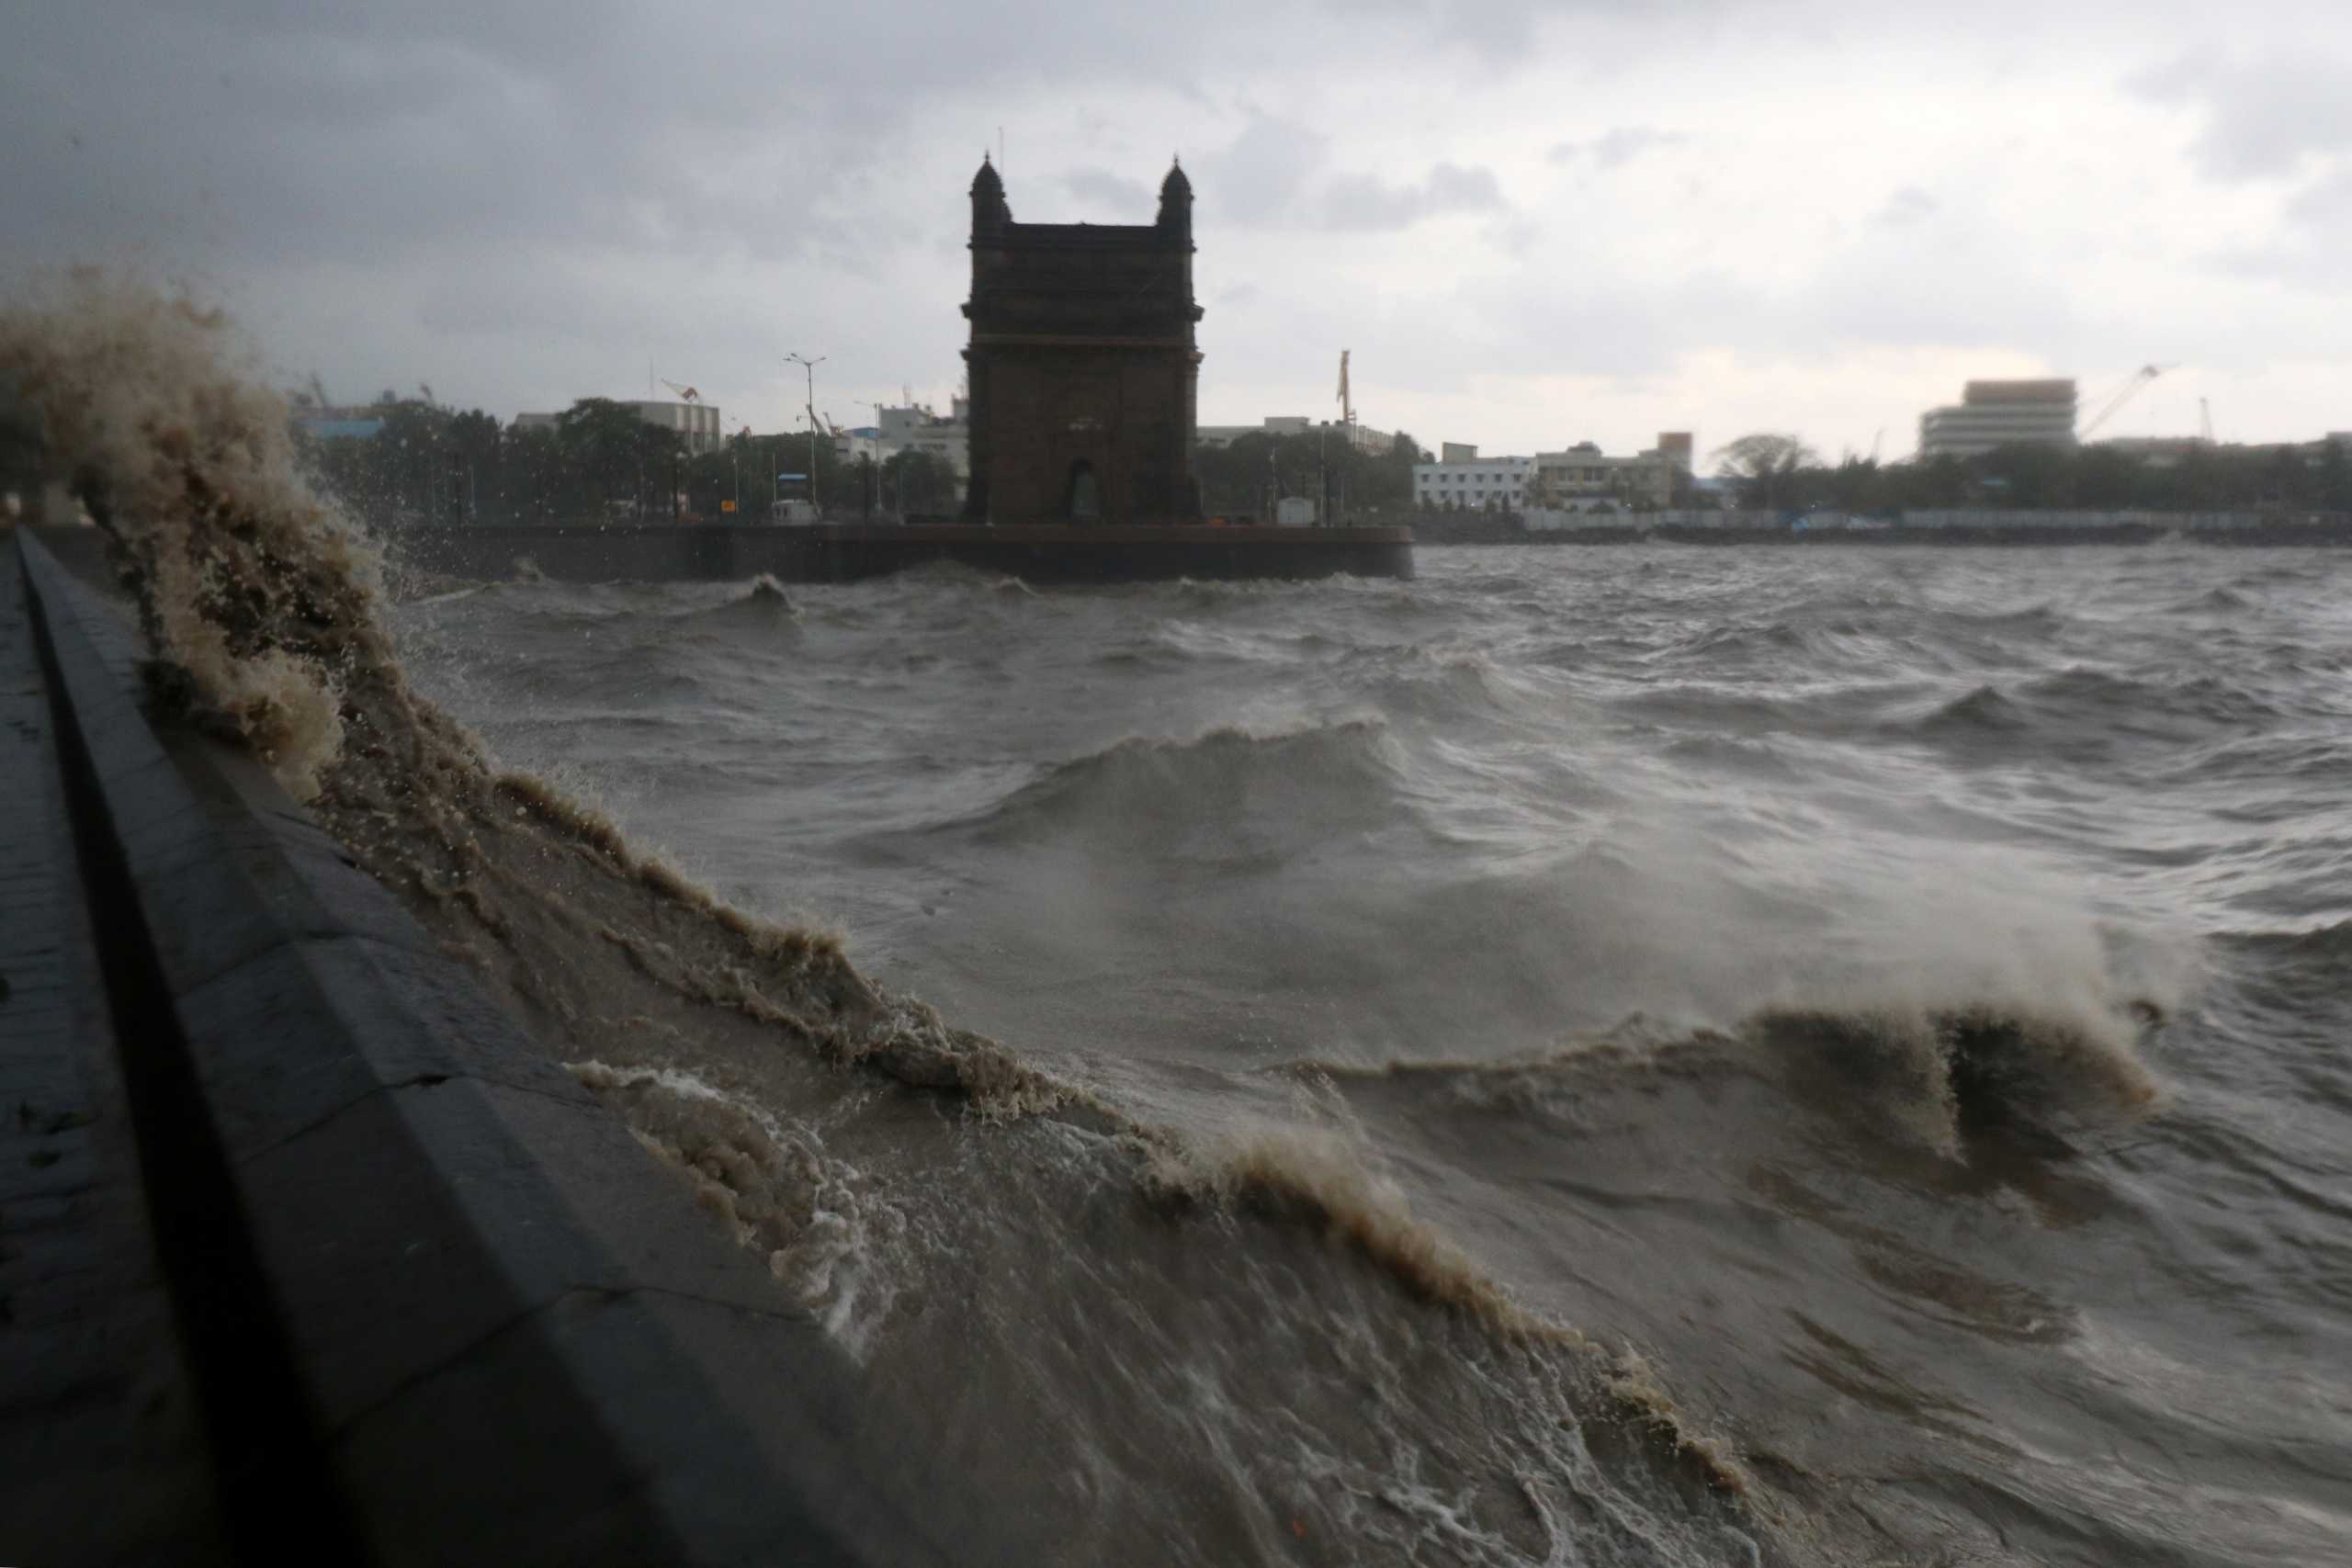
x,y
2000,413
915,428
697,422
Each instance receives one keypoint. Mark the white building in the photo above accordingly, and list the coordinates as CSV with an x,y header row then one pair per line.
x,y
916,427
1272,424
699,423
2000,413
1480,484
1371,442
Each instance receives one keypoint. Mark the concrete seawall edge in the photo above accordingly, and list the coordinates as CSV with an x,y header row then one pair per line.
x,y
416,1270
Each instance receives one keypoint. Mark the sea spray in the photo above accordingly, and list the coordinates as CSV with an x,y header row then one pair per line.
x,y
255,597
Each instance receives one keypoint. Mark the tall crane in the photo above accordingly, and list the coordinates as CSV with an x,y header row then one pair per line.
x,y
685,394
2124,394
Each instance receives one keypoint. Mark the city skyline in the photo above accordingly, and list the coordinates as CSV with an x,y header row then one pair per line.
x,y
1532,224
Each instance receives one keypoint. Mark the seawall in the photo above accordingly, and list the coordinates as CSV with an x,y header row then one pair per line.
x,y
849,553
308,1252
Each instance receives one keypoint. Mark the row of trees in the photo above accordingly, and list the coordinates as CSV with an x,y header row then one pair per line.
x,y
1244,479
428,464
1774,472
432,465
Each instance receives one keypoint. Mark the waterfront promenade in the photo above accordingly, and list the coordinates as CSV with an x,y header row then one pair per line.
x,y
308,1253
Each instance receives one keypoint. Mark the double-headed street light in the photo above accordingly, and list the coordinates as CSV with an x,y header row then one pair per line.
x,y
816,503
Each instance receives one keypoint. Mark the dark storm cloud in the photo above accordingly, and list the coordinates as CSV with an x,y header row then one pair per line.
x,y
270,129
523,202
328,145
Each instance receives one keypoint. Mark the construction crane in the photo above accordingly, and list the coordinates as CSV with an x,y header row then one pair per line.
x,y
685,394
2124,394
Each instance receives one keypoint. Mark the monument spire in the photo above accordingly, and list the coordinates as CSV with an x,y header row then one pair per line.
x,y
1176,200
990,211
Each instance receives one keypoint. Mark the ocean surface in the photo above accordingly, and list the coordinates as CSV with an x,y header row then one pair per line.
x,y
1895,1004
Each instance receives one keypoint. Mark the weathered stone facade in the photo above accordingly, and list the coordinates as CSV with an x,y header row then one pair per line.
x,y
1082,365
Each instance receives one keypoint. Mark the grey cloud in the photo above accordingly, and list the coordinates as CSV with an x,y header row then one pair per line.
x,y
2325,205
2310,252
1366,202
2264,117
1906,207
1618,146
1112,193
1967,285
1514,236
1261,175
1524,323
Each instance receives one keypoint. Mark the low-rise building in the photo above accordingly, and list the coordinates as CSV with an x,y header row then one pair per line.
x,y
1476,484
1372,443
2156,451
1585,476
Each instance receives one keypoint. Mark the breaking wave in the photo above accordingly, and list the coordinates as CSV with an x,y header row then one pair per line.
x,y
1932,1077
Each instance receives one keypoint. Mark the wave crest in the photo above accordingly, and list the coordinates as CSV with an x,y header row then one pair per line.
x,y
1246,786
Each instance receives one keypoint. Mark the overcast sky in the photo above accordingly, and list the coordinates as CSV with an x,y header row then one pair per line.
x,y
1534,223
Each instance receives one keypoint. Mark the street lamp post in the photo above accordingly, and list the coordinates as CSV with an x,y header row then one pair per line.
x,y
816,500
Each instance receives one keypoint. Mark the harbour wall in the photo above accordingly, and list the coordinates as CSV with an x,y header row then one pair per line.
x,y
1975,525
849,553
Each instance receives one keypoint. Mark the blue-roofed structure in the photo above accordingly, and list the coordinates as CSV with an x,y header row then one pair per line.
x,y
326,429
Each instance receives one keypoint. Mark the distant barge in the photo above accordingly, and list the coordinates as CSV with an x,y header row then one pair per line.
x,y
1037,553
